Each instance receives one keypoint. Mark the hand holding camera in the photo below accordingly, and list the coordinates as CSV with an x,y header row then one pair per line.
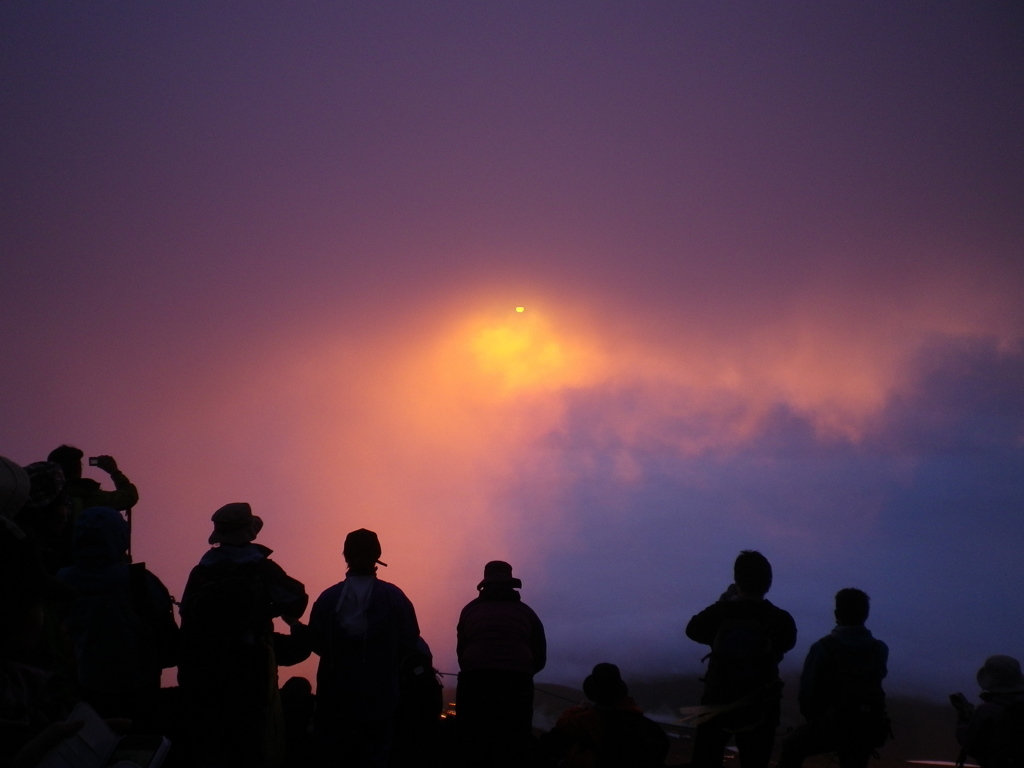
x,y
106,463
964,708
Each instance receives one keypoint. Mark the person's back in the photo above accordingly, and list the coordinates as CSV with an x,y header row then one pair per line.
x,y
841,693
748,637
361,628
228,670
120,620
500,646
993,733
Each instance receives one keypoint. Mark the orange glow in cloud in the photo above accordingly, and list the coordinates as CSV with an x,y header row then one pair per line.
x,y
422,432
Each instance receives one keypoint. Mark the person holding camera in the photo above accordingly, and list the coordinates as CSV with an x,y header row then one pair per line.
x,y
748,636
84,492
993,732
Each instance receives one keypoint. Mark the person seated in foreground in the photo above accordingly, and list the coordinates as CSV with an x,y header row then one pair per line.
x,y
610,732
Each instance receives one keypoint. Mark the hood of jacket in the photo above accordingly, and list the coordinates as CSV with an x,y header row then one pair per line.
x,y
100,537
853,636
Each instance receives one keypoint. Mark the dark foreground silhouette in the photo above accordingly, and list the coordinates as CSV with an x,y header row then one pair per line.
x,y
81,623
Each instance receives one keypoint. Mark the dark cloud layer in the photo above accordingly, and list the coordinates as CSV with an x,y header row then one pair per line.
x,y
924,512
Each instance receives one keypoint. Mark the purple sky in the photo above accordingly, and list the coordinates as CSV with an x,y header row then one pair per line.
x,y
771,259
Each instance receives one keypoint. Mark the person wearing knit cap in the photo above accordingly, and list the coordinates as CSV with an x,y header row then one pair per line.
x,y
611,731
228,667
500,645
361,628
993,732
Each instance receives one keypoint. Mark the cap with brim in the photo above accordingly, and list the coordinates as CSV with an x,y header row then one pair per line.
x,y
235,524
362,544
498,573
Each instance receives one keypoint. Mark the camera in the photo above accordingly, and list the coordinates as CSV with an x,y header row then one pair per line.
x,y
963,707
94,461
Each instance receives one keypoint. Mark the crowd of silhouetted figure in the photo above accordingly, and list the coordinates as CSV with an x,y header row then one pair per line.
x,y
82,623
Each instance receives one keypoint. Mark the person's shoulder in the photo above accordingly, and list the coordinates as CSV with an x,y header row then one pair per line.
x,y
392,590
330,593
473,604
152,579
776,613
524,608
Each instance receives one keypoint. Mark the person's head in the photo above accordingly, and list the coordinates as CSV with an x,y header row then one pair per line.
x,y
1000,674
70,460
752,573
235,524
498,575
852,607
604,686
100,536
362,551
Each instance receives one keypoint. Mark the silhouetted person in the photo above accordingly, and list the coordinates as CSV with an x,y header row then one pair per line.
x,y
748,638
841,693
46,515
120,622
610,733
31,708
993,732
84,492
298,703
501,646
228,670
417,742
362,628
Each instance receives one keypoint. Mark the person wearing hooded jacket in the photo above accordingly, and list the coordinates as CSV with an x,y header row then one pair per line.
x,y
228,668
841,693
121,621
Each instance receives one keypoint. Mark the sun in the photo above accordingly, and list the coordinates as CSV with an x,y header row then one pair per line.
x,y
529,354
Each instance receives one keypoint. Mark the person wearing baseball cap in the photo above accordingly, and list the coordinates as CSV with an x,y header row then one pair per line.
x,y
361,628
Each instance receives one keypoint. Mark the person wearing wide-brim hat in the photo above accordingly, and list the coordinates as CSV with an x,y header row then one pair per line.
x,y
991,731
501,646
610,730
228,670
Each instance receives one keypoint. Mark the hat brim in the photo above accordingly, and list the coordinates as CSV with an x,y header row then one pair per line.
x,y
239,537
513,583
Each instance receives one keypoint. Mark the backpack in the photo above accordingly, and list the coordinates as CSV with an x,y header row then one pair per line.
x,y
227,634
159,631
742,670
228,599
855,716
